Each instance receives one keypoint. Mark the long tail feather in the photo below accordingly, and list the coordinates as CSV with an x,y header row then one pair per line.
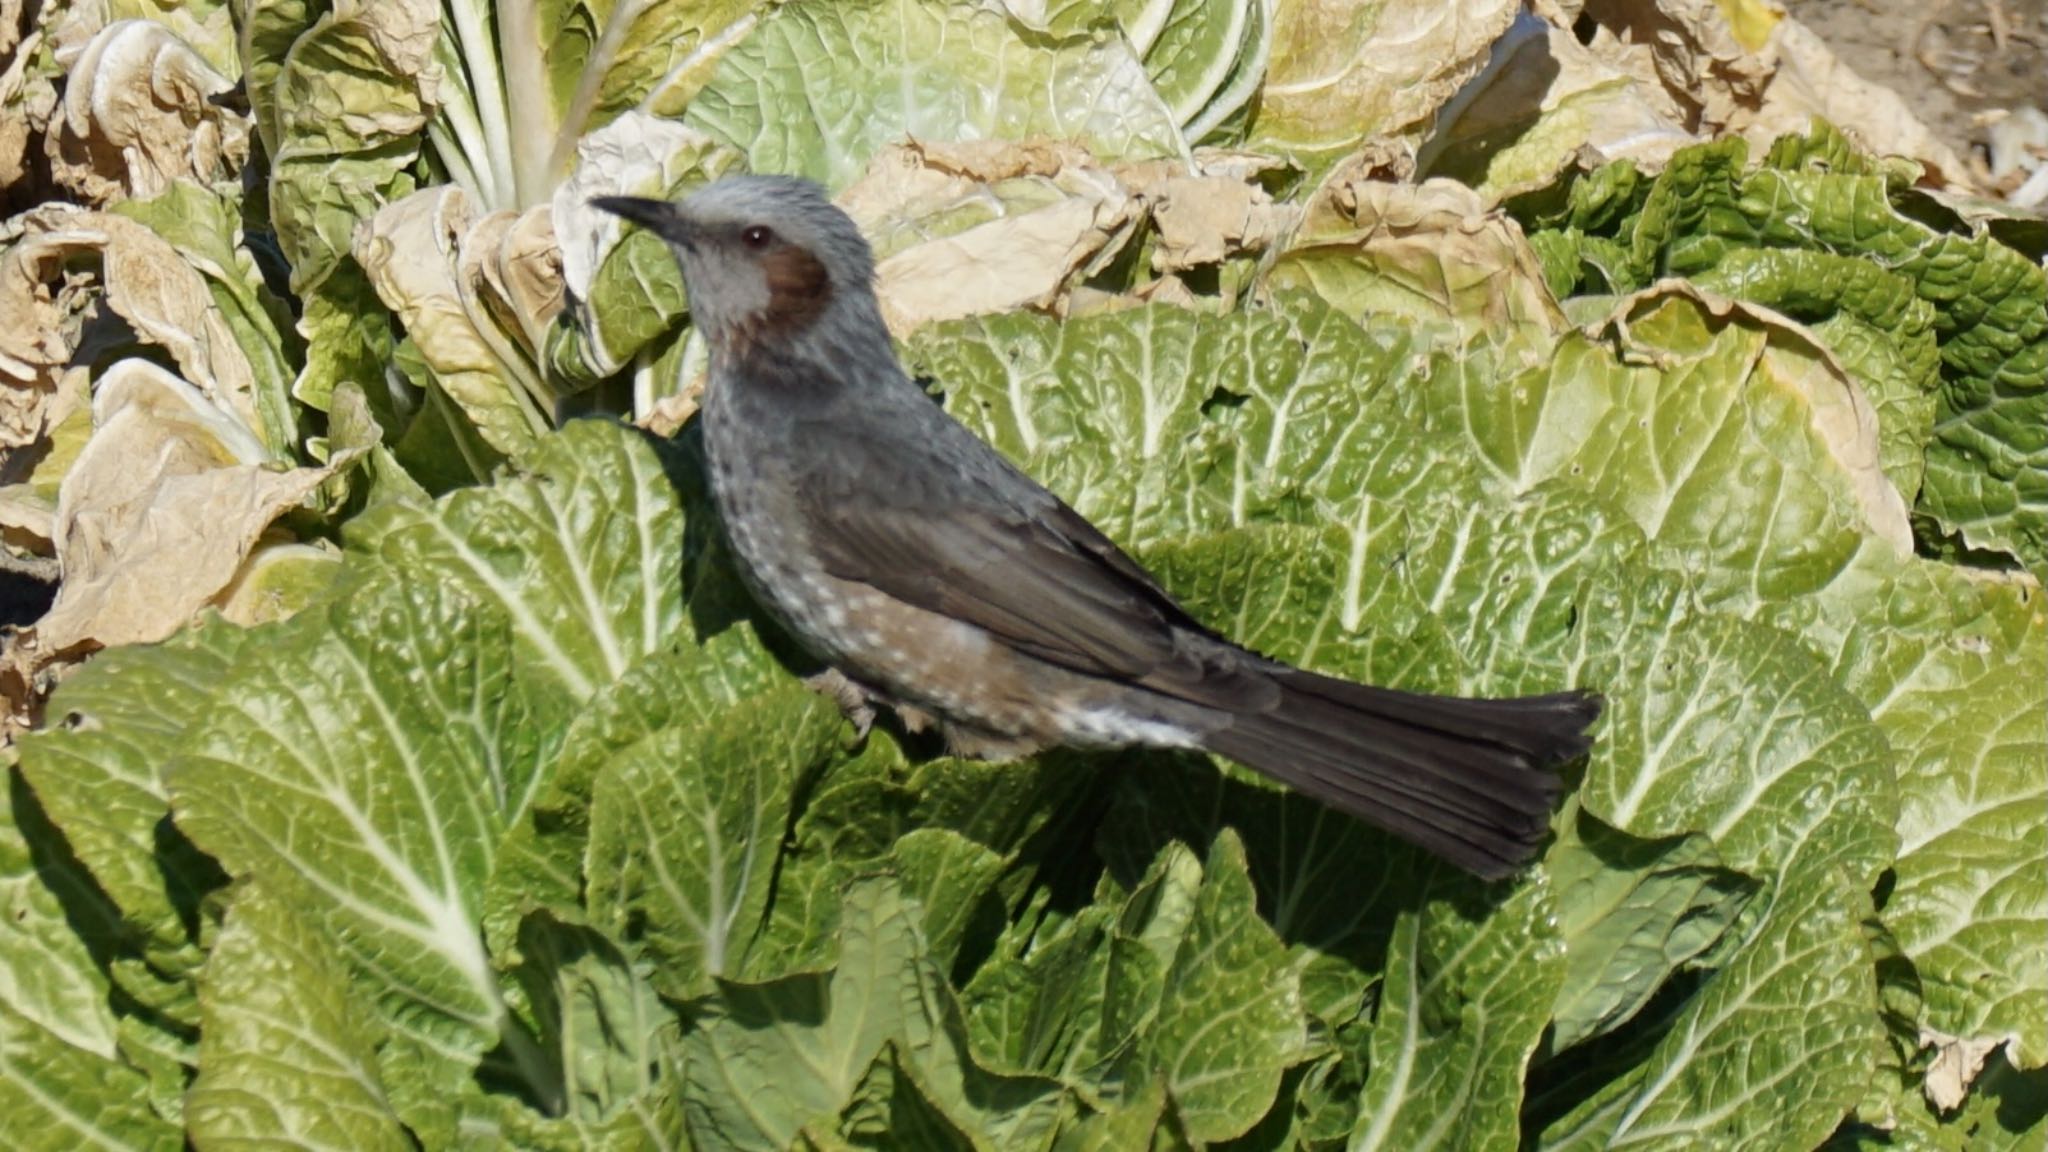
x,y
1470,780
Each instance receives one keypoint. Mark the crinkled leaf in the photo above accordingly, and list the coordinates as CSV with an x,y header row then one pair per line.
x,y
1872,321
778,1056
1341,75
1466,995
58,1098
599,1019
1036,1003
953,879
818,89
1986,474
98,773
1159,422
947,828
1732,441
1948,662
1631,913
341,97
581,550
50,981
1229,1014
375,751
349,340
1987,470
542,861
1735,731
684,831
1144,1121
1345,898
288,1052
1771,1052
890,1108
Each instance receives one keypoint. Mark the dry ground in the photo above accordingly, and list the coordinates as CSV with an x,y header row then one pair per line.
x,y
1959,64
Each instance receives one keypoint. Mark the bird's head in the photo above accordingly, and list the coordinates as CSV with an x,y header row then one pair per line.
x,y
765,259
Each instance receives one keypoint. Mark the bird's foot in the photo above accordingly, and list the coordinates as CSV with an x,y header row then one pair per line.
x,y
856,701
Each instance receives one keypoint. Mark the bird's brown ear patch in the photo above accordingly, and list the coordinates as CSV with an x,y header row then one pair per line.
x,y
798,288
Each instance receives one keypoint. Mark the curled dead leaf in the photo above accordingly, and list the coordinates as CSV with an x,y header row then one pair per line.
x,y
1709,63
1210,215
965,230
142,279
42,308
1810,81
426,255
670,413
159,512
1746,67
988,161
28,92
136,116
522,268
1843,417
1433,251
1547,102
1957,1062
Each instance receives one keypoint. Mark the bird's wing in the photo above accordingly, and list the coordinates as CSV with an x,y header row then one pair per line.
x,y
993,549
1016,576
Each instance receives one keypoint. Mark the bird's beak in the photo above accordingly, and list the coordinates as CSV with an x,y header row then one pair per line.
x,y
657,216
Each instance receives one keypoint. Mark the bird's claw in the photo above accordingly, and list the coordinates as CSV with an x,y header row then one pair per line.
x,y
855,701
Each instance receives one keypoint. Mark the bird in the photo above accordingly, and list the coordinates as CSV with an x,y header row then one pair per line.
x,y
931,576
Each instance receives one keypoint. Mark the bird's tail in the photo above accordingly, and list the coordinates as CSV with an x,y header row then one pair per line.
x,y
1470,780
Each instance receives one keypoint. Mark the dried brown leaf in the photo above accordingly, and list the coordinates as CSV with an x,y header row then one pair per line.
x,y
1809,81
1956,1065
142,278
1745,67
159,512
136,117
425,255
965,230
1206,219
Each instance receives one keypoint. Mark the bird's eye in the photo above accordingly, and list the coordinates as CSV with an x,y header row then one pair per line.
x,y
757,237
